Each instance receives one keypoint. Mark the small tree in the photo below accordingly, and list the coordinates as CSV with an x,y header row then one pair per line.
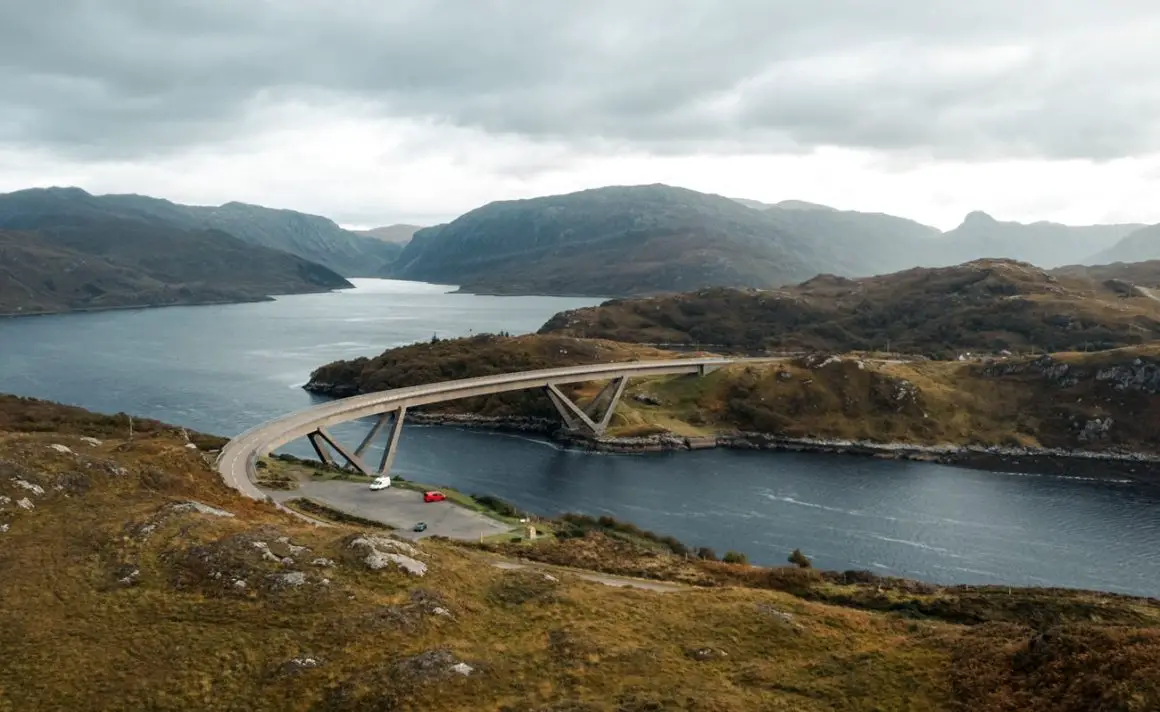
x,y
706,553
435,338
735,557
800,559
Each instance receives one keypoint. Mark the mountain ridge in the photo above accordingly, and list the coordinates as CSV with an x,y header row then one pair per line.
x,y
105,263
626,240
312,237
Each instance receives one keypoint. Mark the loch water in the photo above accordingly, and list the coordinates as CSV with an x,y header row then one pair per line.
x,y
224,368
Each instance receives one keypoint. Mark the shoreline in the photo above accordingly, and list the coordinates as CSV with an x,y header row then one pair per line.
x,y
1144,467
126,307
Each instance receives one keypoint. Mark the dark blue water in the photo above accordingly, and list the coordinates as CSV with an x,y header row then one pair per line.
x,y
224,368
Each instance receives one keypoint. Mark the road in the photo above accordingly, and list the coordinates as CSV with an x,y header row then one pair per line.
x,y
1147,292
398,508
237,461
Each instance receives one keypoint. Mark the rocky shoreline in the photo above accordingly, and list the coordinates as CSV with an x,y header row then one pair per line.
x,y
1054,461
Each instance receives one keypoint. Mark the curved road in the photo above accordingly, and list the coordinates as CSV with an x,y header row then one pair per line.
x,y
237,462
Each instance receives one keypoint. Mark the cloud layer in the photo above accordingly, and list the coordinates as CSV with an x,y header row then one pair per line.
x,y
1047,78
525,97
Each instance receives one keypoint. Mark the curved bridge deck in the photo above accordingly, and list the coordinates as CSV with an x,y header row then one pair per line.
x,y
238,460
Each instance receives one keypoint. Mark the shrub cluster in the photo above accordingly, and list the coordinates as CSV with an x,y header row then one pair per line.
x,y
578,525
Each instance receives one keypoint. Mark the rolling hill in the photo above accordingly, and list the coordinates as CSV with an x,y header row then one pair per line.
x,y
984,305
311,237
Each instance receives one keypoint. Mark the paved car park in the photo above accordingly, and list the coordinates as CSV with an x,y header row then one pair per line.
x,y
399,508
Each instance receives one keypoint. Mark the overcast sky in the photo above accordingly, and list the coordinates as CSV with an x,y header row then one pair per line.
x,y
382,111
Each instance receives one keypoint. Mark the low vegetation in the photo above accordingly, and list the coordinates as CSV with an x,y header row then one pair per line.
x,y
581,525
132,578
482,355
319,510
984,306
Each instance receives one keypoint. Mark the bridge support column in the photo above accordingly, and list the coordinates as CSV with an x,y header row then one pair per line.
x,y
392,447
322,435
323,442
372,434
577,418
319,446
617,387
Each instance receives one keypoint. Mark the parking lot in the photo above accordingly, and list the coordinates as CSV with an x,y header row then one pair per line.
x,y
399,508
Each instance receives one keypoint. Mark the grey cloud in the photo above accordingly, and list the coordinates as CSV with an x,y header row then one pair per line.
x,y
126,78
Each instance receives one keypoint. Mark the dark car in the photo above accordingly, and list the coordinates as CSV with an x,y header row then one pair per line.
x,y
420,527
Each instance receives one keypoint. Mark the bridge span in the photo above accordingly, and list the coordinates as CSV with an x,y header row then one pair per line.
x,y
238,460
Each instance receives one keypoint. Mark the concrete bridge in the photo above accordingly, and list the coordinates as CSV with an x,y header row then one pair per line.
x,y
238,460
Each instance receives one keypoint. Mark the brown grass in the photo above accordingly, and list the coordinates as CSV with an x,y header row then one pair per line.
x,y
920,402
80,631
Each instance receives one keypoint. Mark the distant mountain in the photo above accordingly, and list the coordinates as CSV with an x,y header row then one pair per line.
x,y
802,205
309,236
619,241
784,204
1139,245
873,243
85,262
614,241
1046,244
984,305
754,204
397,234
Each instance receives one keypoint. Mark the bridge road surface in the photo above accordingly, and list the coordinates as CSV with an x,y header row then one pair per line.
x,y
237,463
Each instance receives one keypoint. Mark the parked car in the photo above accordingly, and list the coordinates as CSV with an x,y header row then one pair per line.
x,y
420,527
381,483
434,496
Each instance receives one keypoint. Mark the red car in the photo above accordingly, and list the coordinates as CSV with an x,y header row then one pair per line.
x,y
434,496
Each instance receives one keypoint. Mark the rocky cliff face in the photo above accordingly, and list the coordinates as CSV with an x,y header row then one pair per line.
x,y
1136,376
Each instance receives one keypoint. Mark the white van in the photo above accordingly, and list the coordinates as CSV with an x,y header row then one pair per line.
x,y
381,483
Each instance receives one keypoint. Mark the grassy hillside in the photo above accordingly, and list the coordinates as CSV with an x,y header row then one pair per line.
x,y
132,579
1144,274
986,305
98,263
1099,402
